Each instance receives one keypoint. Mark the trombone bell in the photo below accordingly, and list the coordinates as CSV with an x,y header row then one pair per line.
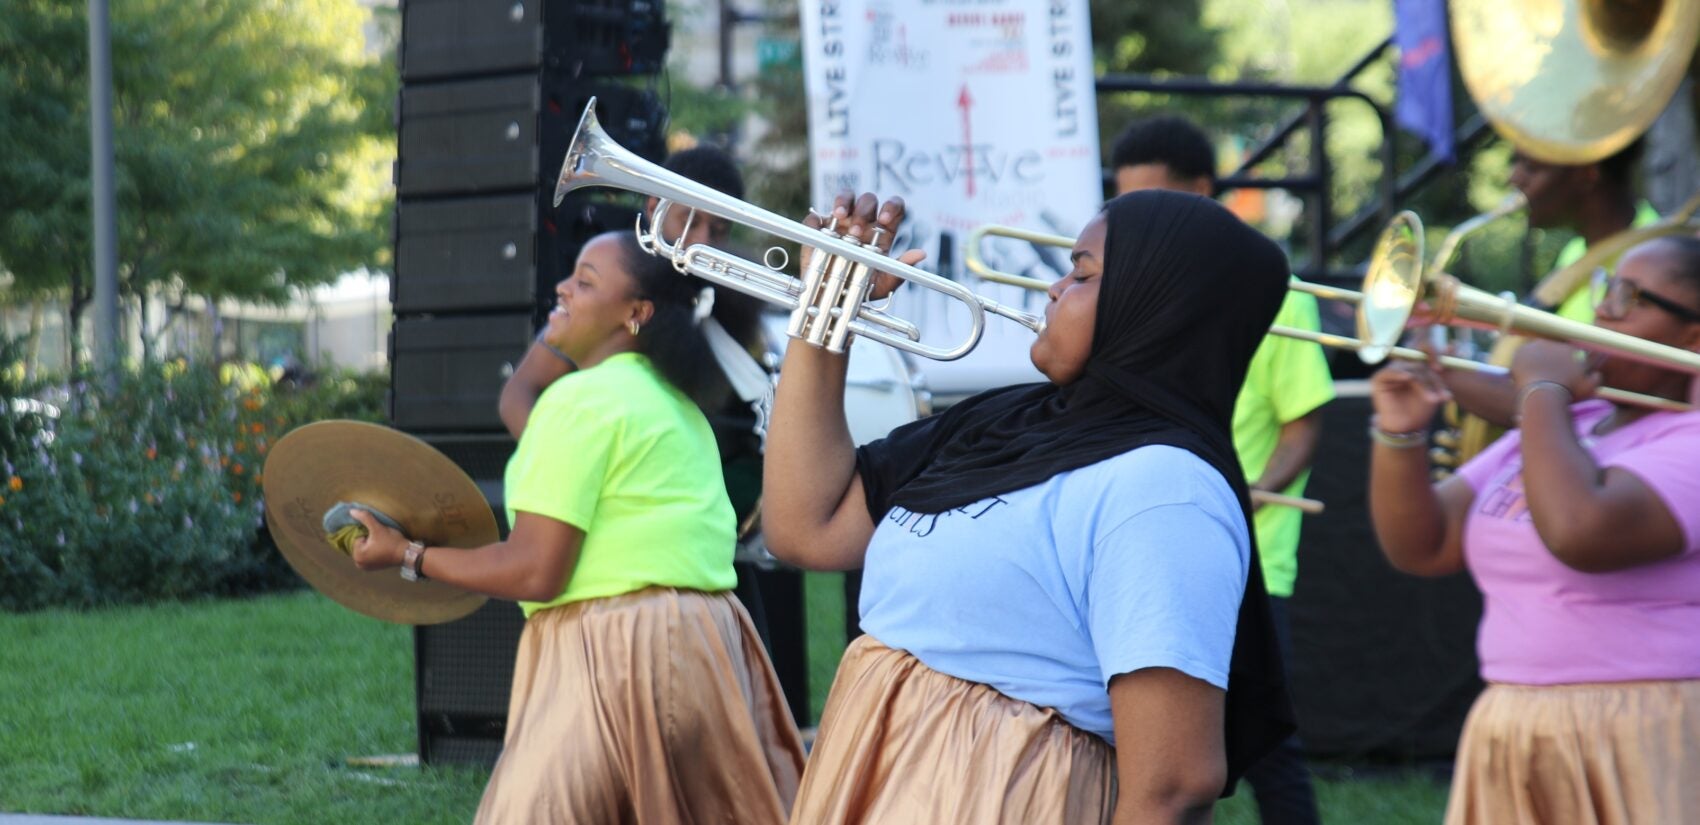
x,y
1390,290
1396,285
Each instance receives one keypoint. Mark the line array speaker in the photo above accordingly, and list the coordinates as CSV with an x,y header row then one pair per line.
x,y
566,38
491,90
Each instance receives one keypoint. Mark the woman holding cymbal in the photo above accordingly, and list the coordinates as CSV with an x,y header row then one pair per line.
x,y
642,692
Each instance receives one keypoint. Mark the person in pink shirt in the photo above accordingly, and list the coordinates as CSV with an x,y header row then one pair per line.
x,y
1582,529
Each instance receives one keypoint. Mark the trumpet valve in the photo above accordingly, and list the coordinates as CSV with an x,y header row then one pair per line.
x,y
827,301
807,297
854,293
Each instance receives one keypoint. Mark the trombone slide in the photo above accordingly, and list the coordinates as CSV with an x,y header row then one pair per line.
x,y
1611,394
1308,506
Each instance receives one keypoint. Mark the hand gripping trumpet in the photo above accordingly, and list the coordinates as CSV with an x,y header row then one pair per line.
x,y
828,304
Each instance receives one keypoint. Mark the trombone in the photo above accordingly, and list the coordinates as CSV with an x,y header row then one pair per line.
x,y
1396,287
1395,264
828,304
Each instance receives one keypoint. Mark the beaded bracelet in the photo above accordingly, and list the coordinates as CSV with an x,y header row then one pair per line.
x,y
1398,441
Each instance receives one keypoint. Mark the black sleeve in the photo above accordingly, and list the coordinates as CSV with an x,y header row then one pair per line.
x,y
886,464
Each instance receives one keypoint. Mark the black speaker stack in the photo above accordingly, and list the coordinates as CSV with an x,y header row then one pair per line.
x,y
490,93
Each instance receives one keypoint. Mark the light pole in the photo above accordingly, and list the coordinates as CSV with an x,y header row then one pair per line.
x,y
104,201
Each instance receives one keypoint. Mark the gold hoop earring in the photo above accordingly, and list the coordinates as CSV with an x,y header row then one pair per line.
x,y
633,326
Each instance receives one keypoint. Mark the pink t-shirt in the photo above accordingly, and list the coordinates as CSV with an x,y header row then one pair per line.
x,y
1544,623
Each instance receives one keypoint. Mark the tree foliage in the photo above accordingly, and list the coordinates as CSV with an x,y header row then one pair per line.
x,y
152,490
251,140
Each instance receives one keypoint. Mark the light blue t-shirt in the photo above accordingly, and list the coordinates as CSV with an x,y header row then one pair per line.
x,y
1046,593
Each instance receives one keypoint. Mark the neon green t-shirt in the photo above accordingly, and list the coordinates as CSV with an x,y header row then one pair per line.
x,y
620,454
1580,305
1286,380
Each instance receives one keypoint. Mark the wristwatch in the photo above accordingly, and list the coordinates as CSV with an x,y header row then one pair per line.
x,y
411,559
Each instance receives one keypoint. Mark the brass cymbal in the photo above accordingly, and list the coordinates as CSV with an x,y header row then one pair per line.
x,y
1573,81
317,465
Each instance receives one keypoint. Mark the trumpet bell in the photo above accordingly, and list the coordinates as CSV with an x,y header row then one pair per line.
x,y
1392,287
1573,81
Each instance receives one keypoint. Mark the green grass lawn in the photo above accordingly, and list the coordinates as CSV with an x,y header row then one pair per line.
x,y
246,711
240,711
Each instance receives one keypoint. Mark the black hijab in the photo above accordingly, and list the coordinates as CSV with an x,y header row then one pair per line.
x,y
1188,293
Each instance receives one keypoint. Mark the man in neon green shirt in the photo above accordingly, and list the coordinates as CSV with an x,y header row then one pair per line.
x,y
1580,305
1277,422
1595,201
1277,419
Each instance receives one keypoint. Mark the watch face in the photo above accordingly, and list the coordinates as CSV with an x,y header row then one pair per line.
x,y
410,562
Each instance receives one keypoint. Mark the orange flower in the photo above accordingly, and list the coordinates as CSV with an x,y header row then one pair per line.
x,y
15,483
258,428
147,497
259,478
241,446
2,501
237,469
236,496
224,460
152,454
251,404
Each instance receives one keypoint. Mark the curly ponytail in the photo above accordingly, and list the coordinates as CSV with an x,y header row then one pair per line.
x,y
671,339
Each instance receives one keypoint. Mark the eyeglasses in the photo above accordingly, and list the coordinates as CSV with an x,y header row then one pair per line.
x,y
1614,297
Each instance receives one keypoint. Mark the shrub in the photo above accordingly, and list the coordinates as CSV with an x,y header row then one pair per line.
x,y
151,491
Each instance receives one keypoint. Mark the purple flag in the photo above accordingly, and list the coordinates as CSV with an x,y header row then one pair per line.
x,y
1425,73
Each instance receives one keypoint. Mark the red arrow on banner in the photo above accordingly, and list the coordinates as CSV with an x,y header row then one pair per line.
x,y
966,104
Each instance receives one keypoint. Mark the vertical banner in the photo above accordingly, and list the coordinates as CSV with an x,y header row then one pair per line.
x,y
974,113
1424,105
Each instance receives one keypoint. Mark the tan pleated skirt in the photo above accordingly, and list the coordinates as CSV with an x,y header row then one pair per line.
x,y
902,744
653,707
1623,753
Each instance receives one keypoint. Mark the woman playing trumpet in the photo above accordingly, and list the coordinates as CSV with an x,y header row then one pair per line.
x,y
1582,530
1058,577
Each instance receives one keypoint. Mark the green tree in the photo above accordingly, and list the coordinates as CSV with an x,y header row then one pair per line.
x,y
251,140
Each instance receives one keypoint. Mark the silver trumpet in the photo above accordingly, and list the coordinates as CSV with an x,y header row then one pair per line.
x,y
828,303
